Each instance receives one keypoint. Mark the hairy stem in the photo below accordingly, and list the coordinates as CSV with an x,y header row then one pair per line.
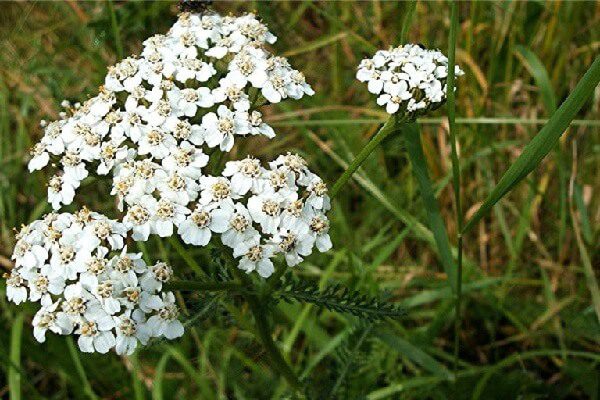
x,y
385,131
264,333
280,366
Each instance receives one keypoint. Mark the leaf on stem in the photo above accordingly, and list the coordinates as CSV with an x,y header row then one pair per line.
x,y
340,299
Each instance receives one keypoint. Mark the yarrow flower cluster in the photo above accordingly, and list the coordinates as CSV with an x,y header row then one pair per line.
x,y
152,128
77,268
409,79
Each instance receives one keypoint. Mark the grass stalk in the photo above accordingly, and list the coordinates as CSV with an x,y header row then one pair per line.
x,y
87,388
414,148
115,28
14,374
390,126
456,178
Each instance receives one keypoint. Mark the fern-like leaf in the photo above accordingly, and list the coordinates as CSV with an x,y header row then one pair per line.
x,y
340,299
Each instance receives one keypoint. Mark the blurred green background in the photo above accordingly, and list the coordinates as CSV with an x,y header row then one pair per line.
x,y
529,330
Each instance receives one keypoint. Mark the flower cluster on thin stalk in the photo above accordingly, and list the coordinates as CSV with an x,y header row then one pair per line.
x,y
408,79
152,128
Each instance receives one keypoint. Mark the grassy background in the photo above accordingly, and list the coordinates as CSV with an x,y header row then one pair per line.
x,y
529,324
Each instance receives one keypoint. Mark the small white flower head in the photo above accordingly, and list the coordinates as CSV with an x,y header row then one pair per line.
x,y
294,245
255,257
319,231
202,222
165,322
239,227
221,128
258,127
187,160
265,209
167,215
215,190
16,288
138,218
60,192
244,175
408,79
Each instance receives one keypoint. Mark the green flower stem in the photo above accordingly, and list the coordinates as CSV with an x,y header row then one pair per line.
x,y
207,286
390,126
264,333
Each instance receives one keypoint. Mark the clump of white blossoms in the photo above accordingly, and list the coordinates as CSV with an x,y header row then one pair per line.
x,y
77,268
152,128
408,79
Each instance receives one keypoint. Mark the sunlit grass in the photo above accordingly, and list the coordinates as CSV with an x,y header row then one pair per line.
x,y
528,320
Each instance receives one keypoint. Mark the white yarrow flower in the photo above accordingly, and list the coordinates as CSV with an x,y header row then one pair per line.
x,y
407,79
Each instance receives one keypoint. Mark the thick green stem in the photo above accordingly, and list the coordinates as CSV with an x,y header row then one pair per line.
x,y
198,286
264,333
389,127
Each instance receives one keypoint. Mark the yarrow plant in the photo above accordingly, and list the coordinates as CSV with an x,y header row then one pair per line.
x,y
153,127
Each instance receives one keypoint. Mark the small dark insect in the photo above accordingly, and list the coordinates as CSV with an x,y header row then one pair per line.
x,y
195,6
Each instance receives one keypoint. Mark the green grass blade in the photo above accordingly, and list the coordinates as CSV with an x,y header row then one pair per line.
x,y
138,387
542,143
413,353
586,260
87,388
14,374
456,179
436,223
316,44
201,381
159,376
586,227
115,28
328,348
535,67
189,260
409,13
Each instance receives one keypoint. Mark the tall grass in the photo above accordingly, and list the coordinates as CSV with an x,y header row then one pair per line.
x,y
529,324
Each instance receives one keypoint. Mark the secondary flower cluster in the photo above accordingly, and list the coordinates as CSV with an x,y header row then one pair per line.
x,y
408,79
77,268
